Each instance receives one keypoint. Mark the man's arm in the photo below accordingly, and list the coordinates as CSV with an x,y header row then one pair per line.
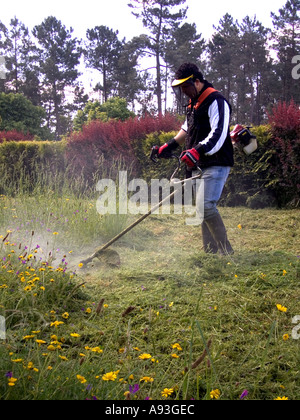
x,y
219,116
180,137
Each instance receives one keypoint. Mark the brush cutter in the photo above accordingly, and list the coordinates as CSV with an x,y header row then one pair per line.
x,y
102,252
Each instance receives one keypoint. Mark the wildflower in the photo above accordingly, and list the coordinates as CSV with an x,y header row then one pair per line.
x,y
65,315
177,346
28,337
244,394
88,310
110,376
51,348
96,350
175,356
12,381
145,356
286,337
281,308
56,324
80,265
171,304
55,233
240,227
215,394
75,335
167,392
281,399
284,273
40,342
81,379
63,358
146,379
134,389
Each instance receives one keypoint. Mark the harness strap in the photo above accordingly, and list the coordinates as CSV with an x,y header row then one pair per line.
x,y
203,96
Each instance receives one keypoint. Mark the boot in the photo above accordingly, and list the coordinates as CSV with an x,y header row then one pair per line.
x,y
218,232
209,244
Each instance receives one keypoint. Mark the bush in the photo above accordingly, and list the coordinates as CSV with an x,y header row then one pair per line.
x,y
247,184
114,142
285,158
14,135
24,166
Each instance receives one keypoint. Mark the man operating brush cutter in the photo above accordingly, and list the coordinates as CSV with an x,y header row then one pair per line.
x,y
206,136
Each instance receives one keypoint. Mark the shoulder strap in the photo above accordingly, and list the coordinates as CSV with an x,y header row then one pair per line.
x,y
204,95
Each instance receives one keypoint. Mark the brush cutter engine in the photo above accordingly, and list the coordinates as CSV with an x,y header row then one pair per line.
x,y
242,138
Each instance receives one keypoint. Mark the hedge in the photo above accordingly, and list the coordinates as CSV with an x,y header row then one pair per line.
x,y
268,177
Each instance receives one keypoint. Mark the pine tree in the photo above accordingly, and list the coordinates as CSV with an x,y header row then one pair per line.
x,y
287,46
59,55
160,18
102,53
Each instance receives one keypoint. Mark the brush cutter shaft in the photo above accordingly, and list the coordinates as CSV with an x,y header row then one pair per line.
x,y
143,217
113,240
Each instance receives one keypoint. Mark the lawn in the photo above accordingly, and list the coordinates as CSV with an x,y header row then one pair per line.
x,y
169,323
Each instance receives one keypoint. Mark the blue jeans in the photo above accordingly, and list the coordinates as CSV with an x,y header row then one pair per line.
x,y
210,190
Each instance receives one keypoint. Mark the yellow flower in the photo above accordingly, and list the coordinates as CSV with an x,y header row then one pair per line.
x,y
28,337
80,265
88,310
65,315
175,356
281,399
171,304
97,350
63,358
40,342
215,394
286,337
167,392
51,348
284,273
110,376
56,324
81,379
145,356
281,308
12,381
75,335
240,226
55,233
177,346
146,379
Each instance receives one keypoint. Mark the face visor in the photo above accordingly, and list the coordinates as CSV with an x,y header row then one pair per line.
x,y
184,90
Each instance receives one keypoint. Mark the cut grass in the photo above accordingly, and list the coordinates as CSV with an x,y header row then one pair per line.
x,y
166,291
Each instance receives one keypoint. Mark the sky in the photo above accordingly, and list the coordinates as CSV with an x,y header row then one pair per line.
x,y
86,14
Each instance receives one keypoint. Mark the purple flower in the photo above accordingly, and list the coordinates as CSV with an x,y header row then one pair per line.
x,y
9,375
134,389
244,394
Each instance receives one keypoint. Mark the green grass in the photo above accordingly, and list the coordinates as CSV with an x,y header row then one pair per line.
x,y
166,291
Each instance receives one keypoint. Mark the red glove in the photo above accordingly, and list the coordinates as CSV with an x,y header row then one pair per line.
x,y
190,157
167,149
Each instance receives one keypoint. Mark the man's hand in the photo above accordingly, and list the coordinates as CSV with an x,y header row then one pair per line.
x,y
190,157
167,149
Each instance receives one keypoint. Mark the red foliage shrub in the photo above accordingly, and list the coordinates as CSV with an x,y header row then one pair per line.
x,y
113,141
14,135
285,165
